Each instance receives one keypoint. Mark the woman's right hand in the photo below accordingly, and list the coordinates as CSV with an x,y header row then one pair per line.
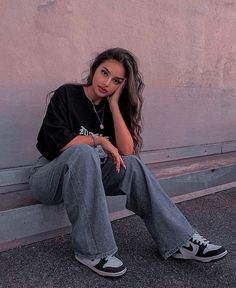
x,y
112,152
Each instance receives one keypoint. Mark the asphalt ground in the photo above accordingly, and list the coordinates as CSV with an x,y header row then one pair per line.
x,y
50,263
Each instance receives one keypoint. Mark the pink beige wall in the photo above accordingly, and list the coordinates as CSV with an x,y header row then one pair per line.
x,y
187,52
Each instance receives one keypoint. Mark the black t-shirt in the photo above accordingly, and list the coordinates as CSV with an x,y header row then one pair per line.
x,y
70,113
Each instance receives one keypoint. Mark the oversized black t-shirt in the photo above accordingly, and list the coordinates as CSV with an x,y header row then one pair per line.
x,y
70,113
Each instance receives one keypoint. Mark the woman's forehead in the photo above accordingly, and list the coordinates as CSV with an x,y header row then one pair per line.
x,y
116,68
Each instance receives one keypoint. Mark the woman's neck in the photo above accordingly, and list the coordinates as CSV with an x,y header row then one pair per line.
x,y
90,94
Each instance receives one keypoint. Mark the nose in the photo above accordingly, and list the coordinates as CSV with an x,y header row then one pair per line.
x,y
107,81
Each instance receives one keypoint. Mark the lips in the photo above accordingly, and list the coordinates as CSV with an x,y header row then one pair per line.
x,y
102,90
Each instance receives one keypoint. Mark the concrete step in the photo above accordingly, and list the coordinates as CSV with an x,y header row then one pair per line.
x,y
23,220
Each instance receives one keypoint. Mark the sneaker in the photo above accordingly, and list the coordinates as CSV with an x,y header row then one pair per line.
x,y
200,249
110,266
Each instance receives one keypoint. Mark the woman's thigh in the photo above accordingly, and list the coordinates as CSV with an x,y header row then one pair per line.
x,y
46,180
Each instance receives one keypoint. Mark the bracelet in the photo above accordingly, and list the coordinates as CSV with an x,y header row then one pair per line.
x,y
94,137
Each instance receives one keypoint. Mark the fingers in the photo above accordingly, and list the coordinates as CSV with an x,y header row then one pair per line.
x,y
113,154
122,85
119,163
118,91
124,82
122,163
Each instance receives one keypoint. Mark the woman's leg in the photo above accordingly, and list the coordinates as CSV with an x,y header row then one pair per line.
x,y
75,178
145,197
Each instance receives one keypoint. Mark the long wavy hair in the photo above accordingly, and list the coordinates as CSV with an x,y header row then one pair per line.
x,y
131,99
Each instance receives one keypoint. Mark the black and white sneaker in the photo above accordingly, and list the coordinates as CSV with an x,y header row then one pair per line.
x,y
110,266
200,249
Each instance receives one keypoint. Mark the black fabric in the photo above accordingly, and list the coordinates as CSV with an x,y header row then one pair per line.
x,y
70,113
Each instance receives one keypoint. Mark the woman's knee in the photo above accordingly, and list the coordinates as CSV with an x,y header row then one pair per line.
x,y
80,151
81,154
132,161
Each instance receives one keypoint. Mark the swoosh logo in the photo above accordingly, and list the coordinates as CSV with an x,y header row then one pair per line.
x,y
190,248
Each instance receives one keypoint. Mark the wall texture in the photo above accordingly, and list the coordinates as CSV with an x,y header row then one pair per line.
x,y
187,52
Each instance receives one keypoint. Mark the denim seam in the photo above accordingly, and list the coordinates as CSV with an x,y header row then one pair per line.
x,y
85,208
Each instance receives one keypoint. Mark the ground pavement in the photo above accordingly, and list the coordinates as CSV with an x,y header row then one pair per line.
x,y
50,263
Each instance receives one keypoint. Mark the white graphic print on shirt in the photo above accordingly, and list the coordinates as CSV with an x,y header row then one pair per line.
x,y
101,153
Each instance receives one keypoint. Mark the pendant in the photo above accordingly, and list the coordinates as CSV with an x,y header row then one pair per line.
x,y
101,126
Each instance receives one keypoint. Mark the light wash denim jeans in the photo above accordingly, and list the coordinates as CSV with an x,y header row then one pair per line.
x,y
76,177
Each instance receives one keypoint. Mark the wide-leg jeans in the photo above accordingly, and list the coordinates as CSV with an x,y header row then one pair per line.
x,y
77,178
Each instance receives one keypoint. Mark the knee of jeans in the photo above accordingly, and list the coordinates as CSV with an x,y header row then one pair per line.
x,y
131,160
81,151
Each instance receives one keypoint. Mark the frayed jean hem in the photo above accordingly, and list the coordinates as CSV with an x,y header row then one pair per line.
x,y
97,256
172,251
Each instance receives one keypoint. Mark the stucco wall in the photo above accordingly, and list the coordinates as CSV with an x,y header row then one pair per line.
x,y
187,52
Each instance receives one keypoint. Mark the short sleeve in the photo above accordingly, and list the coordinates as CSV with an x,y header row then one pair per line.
x,y
55,132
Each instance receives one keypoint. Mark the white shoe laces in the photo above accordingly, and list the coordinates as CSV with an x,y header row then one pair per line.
x,y
199,239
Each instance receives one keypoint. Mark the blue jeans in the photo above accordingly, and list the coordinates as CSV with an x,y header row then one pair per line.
x,y
77,178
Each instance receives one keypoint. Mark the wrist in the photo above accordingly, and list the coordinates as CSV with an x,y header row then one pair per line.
x,y
94,139
101,140
114,107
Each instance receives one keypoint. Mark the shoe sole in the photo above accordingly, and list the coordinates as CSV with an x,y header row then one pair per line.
x,y
108,274
103,273
202,259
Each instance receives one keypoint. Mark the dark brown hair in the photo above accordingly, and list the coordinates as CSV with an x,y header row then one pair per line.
x,y
131,99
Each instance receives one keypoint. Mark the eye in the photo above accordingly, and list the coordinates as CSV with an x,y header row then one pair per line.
x,y
104,72
116,81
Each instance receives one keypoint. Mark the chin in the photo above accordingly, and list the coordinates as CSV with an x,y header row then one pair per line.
x,y
102,95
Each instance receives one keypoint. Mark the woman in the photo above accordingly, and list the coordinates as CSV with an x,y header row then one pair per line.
x,y
88,141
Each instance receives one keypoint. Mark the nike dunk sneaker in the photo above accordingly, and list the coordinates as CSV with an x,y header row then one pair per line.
x,y
110,266
200,249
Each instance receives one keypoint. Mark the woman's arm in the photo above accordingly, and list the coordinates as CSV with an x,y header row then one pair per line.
x,y
111,150
124,140
79,140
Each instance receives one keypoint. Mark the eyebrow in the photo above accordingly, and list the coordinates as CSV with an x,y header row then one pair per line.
x,y
121,78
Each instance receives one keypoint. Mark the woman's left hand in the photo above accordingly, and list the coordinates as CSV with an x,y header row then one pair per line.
x,y
114,98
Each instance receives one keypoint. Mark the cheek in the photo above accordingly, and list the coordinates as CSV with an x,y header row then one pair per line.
x,y
114,88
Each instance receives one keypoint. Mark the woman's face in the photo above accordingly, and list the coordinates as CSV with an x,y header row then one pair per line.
x,y
107,78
